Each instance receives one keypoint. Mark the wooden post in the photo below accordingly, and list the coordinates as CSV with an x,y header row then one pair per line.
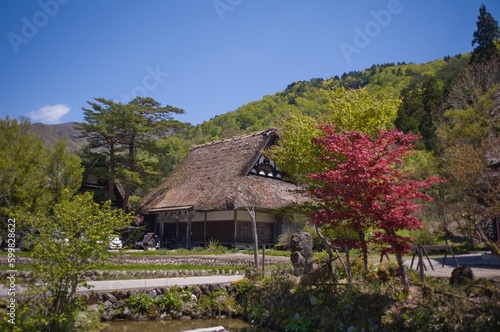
x,y
188,235
348,264
263,260
421,265
251,212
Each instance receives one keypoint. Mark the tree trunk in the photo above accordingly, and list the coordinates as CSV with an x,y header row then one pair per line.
x,y
111,171
130,167
328,248
402,270
364,250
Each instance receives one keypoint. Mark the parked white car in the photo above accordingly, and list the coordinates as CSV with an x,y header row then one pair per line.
x,y
115,242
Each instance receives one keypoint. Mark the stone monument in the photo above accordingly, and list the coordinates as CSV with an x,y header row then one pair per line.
x,y
302,256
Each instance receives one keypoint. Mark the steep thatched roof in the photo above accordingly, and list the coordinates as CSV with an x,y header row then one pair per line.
x,y
214,176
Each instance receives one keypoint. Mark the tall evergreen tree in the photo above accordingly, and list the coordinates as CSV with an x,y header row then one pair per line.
x,y
101,128
144,120
432,98
116,132
418,111
484,37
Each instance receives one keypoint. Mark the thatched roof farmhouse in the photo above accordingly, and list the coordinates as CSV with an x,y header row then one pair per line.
x,y
207,196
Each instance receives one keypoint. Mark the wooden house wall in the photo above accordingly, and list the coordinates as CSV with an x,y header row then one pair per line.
x,y
265,232
227,227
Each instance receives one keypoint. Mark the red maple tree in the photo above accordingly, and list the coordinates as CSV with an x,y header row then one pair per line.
x,y
366,190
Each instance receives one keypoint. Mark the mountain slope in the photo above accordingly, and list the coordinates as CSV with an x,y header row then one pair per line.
x,y
307,97
304,97
50,134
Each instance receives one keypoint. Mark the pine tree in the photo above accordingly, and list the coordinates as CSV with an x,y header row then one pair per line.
x,y
485,36
116,132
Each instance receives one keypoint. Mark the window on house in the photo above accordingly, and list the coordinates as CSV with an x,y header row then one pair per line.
x,y
266,167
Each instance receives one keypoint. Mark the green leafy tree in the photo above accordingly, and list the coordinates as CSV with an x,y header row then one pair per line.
x,y
348,109
485,36
469,124
33,177
472,195
22,174
361,110
64,173
295,153
66,243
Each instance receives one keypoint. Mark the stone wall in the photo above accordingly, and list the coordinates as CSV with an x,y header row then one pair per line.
x,y
203,301
134,274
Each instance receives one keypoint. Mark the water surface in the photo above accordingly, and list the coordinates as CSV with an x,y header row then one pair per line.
x,y
234,325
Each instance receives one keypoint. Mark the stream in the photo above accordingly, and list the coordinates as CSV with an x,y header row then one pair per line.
x,y
234,325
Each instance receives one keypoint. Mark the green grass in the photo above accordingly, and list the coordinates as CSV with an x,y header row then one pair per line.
x,y
156,267
18,267
18,253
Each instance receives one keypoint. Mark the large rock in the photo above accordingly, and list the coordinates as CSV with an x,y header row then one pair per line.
x,y
302,255
210,329
461,275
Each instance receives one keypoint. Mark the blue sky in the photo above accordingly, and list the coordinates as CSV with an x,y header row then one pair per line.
x,y
208,56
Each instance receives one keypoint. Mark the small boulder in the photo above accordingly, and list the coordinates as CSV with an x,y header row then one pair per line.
x,y
461,275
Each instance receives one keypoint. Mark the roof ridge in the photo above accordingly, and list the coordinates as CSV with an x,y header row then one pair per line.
x,y
236,138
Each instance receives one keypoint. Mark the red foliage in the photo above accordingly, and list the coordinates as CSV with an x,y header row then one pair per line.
x,y
364,187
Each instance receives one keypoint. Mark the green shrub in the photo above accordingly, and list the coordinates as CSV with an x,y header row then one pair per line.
x,y
197,249
299,324
141,303
222,303
214,246
425,237
170,300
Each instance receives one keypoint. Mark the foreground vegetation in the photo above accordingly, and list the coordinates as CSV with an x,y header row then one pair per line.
x,y
373,302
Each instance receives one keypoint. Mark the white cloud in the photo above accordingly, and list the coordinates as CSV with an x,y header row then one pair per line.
x,y
49,114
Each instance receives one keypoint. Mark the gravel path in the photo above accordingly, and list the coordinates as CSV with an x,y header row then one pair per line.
x,y
482,265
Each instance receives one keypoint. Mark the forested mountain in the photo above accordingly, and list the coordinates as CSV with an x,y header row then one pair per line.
x,y
310,97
